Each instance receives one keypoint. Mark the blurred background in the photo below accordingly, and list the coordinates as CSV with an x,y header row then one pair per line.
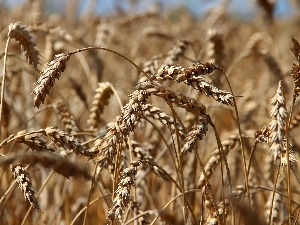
x,y
243,8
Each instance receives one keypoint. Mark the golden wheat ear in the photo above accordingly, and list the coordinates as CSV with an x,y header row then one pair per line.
x,y
22,36
101,98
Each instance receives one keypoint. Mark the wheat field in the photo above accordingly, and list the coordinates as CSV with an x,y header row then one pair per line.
x,y
155,117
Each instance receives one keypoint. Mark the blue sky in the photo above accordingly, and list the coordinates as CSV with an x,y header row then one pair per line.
x,y
240,7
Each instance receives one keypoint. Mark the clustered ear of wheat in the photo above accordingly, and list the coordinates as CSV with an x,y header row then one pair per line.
x,y
140,118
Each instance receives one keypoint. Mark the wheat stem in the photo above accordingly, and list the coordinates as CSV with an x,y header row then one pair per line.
x,y
3,83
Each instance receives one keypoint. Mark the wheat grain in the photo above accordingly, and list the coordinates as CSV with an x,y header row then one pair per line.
x,y
119,130
176,52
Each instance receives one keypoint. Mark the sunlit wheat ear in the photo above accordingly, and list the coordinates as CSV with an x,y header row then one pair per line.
x,y
296,69
122,198
278,114
22,177
63,139
101,98
197,133
181,100
48,76
66,117
21,35
193,76
216,158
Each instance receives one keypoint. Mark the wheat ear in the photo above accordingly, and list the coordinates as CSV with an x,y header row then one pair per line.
x,y
181,100
22,36
23,179
296,69
193,76
68,141
197,133
101,98
48,76
66,117
122,199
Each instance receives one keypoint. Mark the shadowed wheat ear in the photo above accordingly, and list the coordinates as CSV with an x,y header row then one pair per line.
x,y
101,98
276,205
22,177
66,117
56,162
296,69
